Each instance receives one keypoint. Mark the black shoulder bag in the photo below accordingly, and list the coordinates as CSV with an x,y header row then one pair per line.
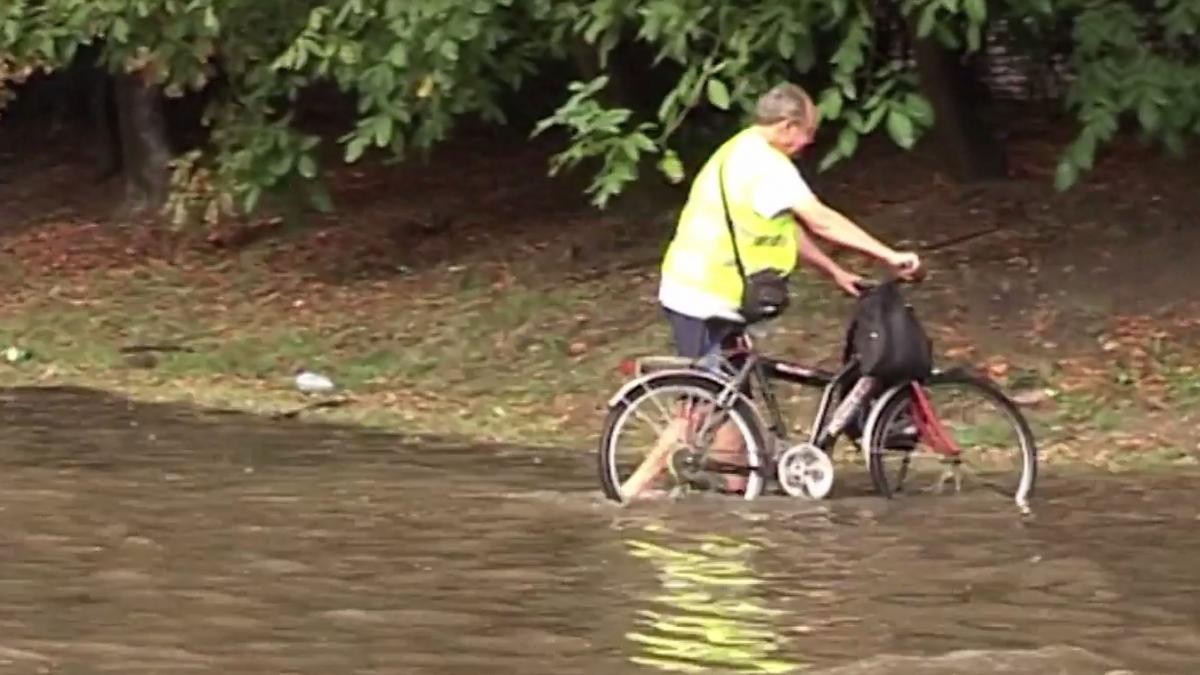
x,y
764,293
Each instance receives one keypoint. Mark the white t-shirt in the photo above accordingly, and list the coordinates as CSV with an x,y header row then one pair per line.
x,y
779,188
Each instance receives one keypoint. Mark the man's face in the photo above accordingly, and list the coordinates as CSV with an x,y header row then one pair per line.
x,y
795,136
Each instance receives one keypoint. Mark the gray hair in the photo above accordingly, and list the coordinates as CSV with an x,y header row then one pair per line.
x,y
785,101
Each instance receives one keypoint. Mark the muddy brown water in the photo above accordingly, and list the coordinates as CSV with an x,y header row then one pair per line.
x,y
162,539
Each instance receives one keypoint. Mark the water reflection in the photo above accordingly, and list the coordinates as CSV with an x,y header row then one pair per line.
x,y
710,610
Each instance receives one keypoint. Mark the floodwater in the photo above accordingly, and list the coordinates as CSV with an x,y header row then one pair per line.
x,y
162,539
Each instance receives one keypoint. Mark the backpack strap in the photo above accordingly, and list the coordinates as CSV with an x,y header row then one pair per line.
x,y
737,257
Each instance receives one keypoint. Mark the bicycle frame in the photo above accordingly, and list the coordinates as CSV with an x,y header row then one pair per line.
x,y
741,370
763,371
742,365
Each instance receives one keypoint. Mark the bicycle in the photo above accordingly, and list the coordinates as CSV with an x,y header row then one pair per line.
x,y
737,386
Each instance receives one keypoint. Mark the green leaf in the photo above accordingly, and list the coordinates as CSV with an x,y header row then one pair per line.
x,y
642,142
671,167
250,203
1175,143
398,55
928,18
976,11
1149,114
900,128
849,55
543,126
1066,175
607,44
383,128
847,142
919,109
871,123
718,93
319,197
831,103
831,158
120,30
947,36
1083,151
786,45
282,165
355,148
210,20
974,38
307,166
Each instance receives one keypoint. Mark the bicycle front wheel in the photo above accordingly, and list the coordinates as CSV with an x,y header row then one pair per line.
x,y
669,434
956,428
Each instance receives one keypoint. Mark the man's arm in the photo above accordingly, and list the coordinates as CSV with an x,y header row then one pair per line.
x,y
784,189
827,223
814,256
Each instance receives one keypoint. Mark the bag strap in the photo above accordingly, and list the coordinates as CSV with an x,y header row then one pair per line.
x,y
737,257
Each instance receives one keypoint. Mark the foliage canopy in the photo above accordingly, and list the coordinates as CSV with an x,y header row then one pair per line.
x,y
414,68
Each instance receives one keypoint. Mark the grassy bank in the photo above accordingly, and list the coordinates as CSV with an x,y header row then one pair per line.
x,y
500,357
510,363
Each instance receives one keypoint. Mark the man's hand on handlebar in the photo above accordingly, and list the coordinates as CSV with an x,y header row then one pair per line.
x,y
906,264
909,270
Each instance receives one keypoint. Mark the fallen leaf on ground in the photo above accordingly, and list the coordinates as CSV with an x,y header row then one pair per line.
x,y
1032,397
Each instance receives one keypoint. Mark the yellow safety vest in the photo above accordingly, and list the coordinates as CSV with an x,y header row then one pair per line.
x,y
700,255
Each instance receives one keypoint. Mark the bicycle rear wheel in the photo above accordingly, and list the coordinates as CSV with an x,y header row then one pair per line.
x,y
672,421
955,427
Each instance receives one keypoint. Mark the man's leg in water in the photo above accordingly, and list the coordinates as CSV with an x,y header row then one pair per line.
x,y
729,448
673,437
694,338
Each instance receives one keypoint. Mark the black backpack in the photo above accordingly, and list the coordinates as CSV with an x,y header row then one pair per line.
x,y
887,338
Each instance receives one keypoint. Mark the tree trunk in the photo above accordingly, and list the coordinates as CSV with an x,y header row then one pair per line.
x,y
971,150
145,153
104,119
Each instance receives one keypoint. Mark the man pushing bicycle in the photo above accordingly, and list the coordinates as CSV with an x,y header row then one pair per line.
x,y
747,218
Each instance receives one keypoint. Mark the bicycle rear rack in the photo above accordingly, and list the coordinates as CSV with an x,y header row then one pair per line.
x,y
636,367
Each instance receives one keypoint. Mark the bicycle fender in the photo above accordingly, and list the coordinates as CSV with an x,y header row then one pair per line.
x,y
629,386
674,372
868,431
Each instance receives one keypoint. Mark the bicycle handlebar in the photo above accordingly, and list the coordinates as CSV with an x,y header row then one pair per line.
x,y
868,284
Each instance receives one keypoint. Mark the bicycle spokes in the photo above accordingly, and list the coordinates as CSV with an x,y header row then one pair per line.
x,y
680,441
948,437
